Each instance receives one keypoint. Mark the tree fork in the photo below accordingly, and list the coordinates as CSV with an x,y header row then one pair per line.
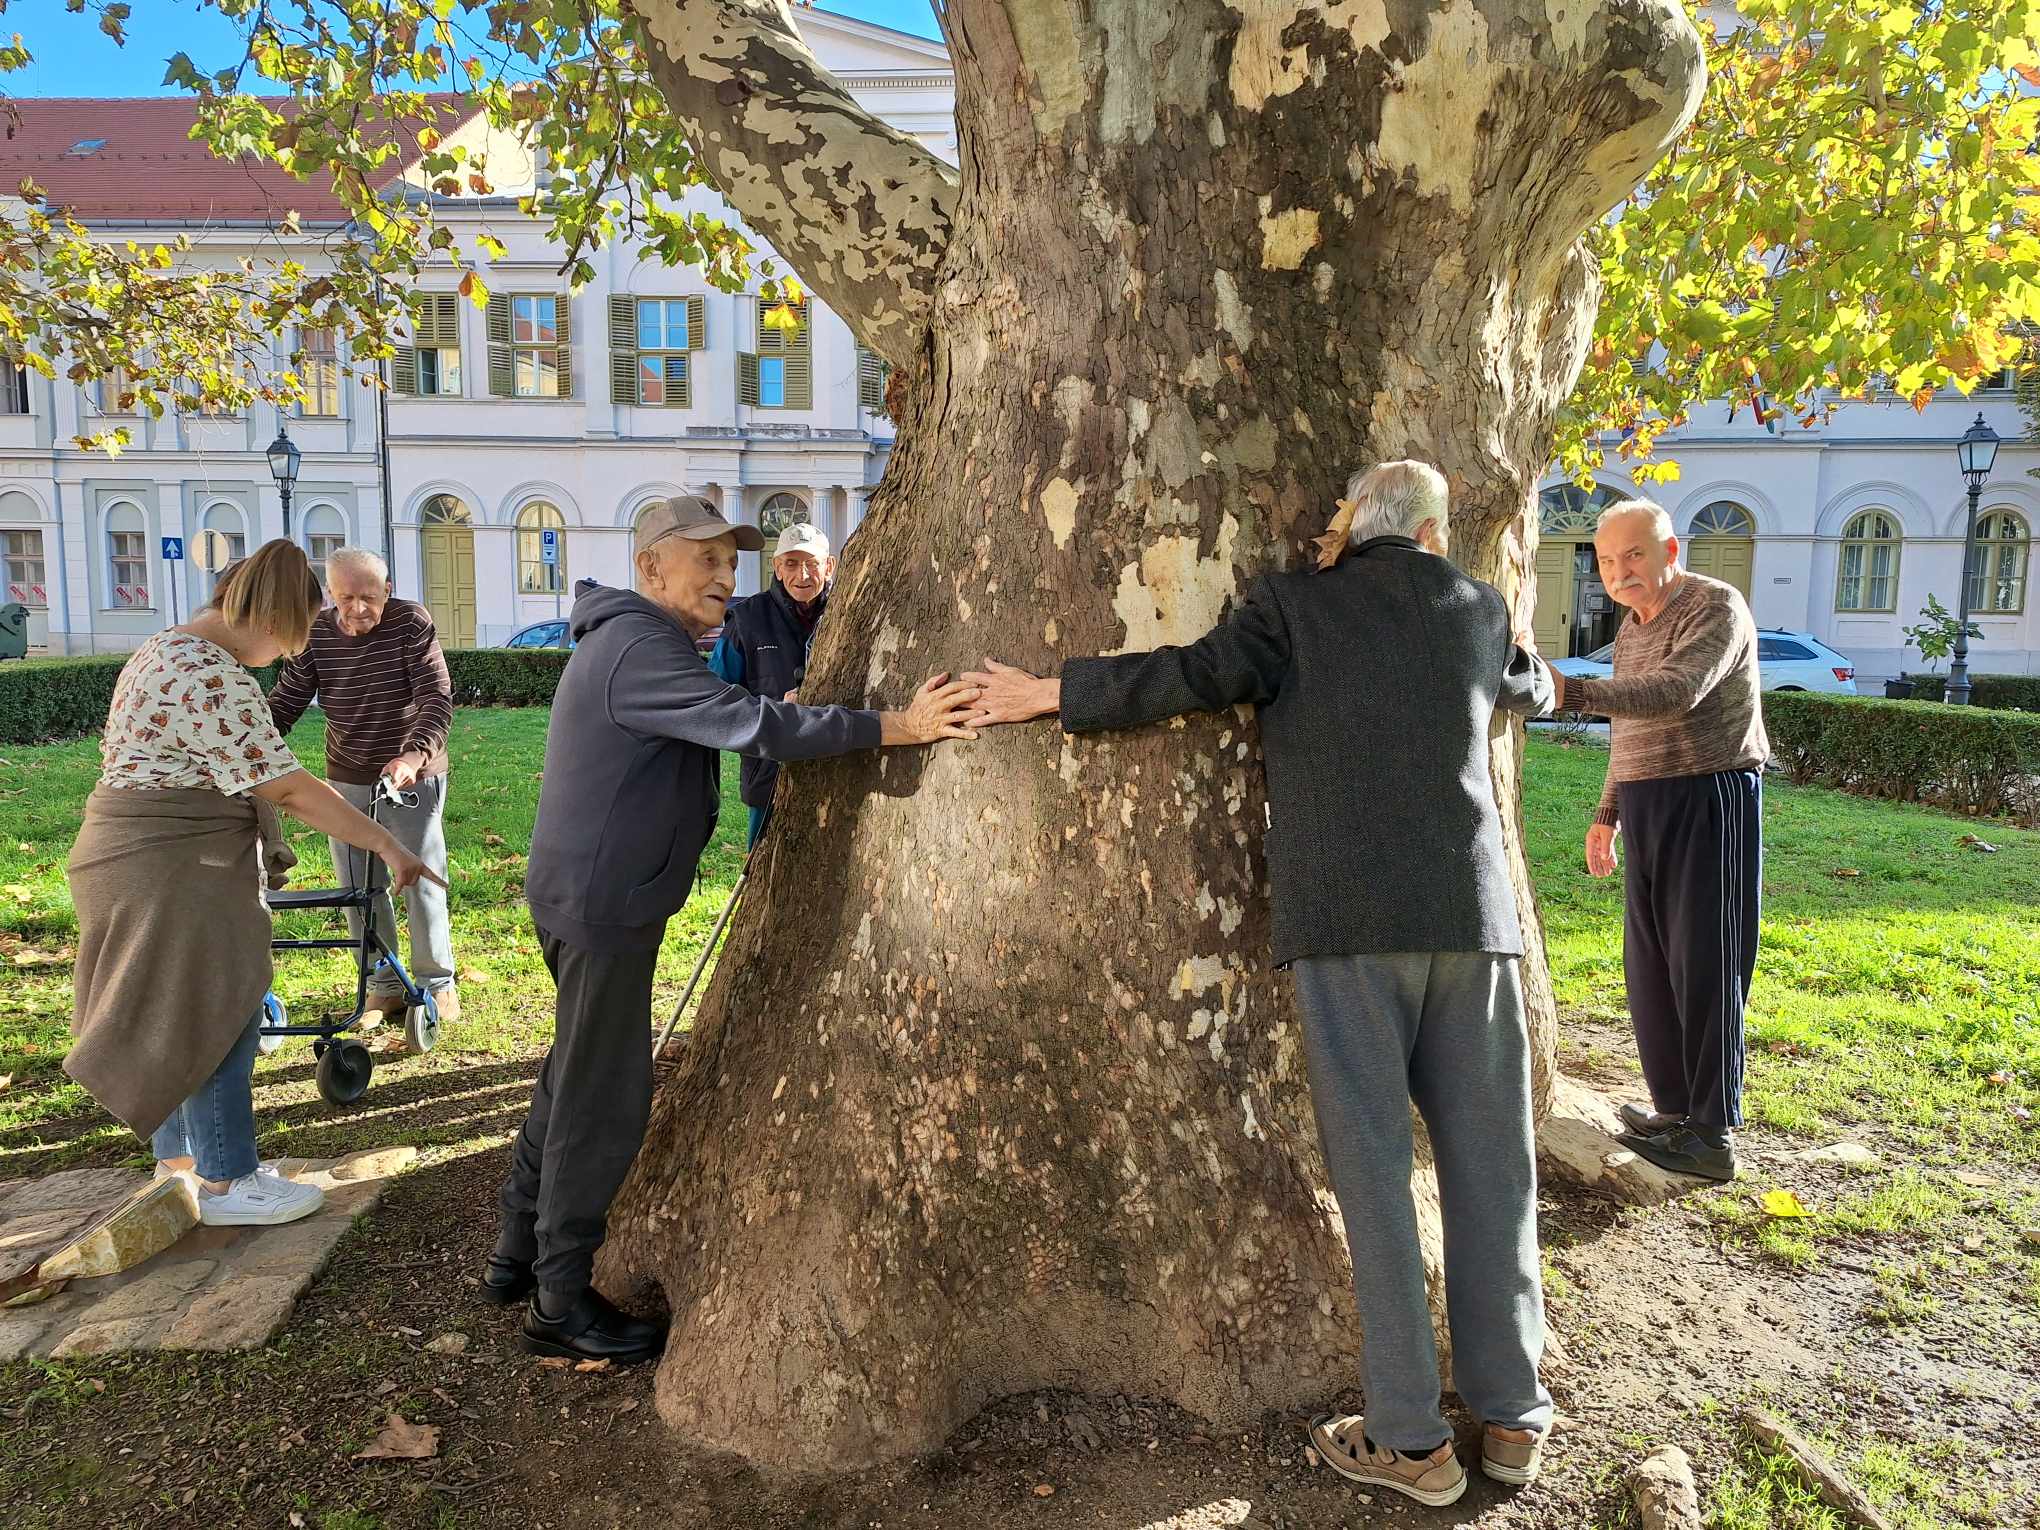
x,y
995,1088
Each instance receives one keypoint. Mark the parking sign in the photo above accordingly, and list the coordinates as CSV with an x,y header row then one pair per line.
x,y
549,546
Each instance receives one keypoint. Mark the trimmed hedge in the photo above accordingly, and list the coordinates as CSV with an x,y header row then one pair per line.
x,y
2008,693
42,699
1970,759
46,699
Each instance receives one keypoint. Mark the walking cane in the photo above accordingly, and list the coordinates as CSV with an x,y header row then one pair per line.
x,y
701,963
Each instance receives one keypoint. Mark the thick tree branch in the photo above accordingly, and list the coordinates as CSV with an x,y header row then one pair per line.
x,y
858,209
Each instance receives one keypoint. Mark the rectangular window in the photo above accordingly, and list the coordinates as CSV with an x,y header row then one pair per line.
x,y
116,392
321,375
650,339
130,568
662,379
439,371
534,342
13,390
21,565
780,373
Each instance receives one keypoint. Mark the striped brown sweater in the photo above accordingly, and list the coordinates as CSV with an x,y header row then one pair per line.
x,y
384,694
1685,696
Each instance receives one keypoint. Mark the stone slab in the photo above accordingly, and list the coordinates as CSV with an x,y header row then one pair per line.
x,y
215,1288
139,1228
1576,1146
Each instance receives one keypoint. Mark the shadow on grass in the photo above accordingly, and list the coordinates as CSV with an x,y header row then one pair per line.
x,y
425,1106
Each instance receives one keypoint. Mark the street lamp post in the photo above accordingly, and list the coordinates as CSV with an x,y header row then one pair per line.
x,y
284,458
1977,453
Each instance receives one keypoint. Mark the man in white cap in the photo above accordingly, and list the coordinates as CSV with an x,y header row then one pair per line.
x,y
765,641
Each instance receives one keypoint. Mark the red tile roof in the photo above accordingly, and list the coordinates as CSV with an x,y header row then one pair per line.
x,y
148,167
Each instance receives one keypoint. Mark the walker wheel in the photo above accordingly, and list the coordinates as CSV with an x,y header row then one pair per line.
x,y
344,1071
421,1026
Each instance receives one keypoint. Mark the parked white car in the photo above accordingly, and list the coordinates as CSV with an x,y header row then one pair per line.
x,y
1787,661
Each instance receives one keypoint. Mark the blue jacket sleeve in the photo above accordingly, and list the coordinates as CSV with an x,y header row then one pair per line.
x,y
1244,658
661,689
727,660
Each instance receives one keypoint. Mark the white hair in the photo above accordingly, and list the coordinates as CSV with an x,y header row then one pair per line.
x,y
1395,498
357,558
1660,518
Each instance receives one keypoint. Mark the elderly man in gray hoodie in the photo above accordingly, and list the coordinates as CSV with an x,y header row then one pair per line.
x,y
1376,680
629,802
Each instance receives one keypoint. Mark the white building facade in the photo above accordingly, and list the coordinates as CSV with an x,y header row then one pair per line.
x,y
548,409
570,411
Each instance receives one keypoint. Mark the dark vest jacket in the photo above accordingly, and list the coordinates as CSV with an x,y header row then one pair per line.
x,y
768,632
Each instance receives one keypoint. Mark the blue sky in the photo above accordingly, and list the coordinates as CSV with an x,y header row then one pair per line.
x,y
72,57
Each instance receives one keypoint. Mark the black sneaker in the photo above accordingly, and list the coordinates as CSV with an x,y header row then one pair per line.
x,y
592,1328
505,1280
1684,1151
1648,1123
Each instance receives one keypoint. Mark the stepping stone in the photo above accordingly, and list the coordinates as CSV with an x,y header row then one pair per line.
x,y
210,1288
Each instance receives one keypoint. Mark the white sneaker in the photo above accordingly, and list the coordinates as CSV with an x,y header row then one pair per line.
x,y
261,1199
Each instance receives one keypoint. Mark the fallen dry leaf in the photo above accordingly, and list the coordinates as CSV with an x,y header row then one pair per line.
x,y
1783,1203
2000,1078
492,839
1845,873
555,1362
1044,1490
593,1365
402,1440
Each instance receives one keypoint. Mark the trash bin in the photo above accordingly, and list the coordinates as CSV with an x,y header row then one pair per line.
x,y
13,630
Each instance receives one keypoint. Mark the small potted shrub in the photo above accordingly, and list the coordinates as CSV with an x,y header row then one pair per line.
x,y
1934,639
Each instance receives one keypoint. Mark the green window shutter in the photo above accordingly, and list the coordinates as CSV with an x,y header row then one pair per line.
x,y
438,320
501,383
682,395
563,351
871,371
623,378
697,327
747,378
800,372
404,371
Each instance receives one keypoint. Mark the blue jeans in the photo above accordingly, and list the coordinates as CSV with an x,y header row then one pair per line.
x,y
216,1126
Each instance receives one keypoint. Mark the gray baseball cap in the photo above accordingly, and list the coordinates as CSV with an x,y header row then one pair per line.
x,y
692,517
802,536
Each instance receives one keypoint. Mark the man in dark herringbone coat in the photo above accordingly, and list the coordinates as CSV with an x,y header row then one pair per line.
x,y
1377,679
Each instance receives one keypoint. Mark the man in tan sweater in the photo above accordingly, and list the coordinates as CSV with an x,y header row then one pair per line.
x,y
1685,791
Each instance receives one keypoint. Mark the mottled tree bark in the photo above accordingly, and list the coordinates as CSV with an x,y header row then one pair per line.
x,y
995,1088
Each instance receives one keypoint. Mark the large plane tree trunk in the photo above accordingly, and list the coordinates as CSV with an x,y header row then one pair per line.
x,y
996,1088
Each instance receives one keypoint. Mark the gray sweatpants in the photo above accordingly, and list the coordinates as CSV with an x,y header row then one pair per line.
x,y
422,831
1447,1031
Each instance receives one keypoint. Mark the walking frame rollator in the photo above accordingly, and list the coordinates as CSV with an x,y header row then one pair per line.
x,y
344,1063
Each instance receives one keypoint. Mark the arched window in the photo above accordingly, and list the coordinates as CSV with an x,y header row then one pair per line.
x,y
778,513
445,510
1867,579
1997,564
1567,510
222,540
127,558
23,571
325,534
1724,518
535,576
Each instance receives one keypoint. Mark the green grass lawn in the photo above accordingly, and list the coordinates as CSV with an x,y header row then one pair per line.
x,y
1901,995
1898,979
506,994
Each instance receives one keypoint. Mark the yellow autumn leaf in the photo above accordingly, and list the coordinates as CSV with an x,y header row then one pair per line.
x,y
1783,1203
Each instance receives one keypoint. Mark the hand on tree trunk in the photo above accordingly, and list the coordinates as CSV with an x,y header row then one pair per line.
x,y
942,708
1009,695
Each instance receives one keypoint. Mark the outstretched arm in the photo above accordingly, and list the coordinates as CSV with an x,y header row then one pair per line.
x,y
1244,658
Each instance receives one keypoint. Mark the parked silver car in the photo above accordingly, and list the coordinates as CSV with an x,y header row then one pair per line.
x,y
1787,661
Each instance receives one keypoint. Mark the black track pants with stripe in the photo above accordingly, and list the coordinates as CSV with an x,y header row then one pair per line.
x,y
1694,857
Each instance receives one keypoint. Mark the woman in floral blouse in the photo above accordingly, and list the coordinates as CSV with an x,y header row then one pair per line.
x,y
174,953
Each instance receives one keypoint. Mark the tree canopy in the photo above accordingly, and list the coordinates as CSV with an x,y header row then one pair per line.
x,y
1851,212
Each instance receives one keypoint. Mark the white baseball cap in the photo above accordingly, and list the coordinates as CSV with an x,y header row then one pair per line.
x,y
803,536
